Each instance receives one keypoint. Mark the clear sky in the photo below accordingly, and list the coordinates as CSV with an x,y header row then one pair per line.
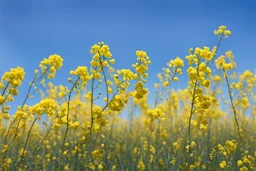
x,y
32,30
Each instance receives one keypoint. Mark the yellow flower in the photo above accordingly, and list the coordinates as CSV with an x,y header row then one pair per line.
x,y
244,168
15,76
112,61
175,79
97,154
178,62
205,104
223,164
166,83
100,166
222,31
239,163
53,61
155,113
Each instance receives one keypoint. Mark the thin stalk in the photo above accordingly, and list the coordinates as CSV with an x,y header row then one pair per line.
x,y
105,80
69,97
23,104
40,142
29,133
191,114
232,102
7,85
92,118
195,86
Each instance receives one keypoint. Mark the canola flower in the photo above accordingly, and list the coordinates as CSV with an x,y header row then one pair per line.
x,y
80,125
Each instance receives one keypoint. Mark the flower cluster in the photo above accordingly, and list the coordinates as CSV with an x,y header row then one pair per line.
x,y
22,112
123,77
201,53
118,103
102,49
225,151
127,74
14,77
247,162
174,68
141,67
222,31
50,65
155,113
225,62
140,91
82,73
47,106
9,84
101,55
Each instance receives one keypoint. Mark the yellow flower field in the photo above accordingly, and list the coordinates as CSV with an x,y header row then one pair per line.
x,y
80,125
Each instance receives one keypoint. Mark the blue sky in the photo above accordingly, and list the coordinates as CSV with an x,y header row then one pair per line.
x,y
32,30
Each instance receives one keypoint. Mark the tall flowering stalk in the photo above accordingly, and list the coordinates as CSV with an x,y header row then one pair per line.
x,y
198,72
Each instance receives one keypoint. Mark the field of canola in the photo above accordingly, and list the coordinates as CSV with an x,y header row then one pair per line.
x,y
77,126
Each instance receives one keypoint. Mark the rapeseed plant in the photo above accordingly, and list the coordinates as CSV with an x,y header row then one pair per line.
x,y
78,126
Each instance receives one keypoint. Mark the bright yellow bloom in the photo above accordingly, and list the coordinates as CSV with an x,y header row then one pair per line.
x,y
223,164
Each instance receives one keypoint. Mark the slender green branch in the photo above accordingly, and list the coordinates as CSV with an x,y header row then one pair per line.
x,y
69,97
29,133
105,80
232,102
7,85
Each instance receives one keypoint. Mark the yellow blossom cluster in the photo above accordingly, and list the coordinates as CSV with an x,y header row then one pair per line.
x,y
247,80
50,65
192,145
174,68
141,166
74,125
230,146
21,112
97,111
199,75
127,74
82,73
63,90
140,91
221,63
118,103
204,53
47,106
14,77
101,55
176,63
225,151
203,101
155,113
222,31
142,65
97,154
6,163
247,162
223,164
102,49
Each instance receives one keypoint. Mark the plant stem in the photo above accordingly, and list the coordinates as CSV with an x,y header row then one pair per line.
x,y
69,97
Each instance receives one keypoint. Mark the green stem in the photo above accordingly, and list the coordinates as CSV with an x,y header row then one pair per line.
x,y
69,97
29,133
232,102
